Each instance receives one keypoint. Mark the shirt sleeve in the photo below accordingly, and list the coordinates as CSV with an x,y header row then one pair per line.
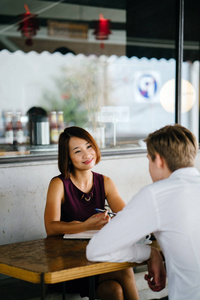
x,y
117,241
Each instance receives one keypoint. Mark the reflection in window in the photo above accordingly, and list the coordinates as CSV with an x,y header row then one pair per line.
x,y
116,98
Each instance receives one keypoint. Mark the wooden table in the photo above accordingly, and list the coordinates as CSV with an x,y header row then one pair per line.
x,y
53,260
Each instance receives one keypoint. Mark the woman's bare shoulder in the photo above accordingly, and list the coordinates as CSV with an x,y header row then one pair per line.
x,y
55,190
107,180
56,182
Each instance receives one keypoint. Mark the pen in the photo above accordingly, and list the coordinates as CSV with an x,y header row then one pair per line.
x,y
111,214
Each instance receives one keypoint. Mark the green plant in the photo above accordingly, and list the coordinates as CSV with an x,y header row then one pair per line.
x,y
73,111
79,90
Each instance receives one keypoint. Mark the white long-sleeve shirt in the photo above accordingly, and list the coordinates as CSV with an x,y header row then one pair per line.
x,y
169,208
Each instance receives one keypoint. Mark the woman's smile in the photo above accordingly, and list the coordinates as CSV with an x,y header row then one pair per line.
x,y
86,162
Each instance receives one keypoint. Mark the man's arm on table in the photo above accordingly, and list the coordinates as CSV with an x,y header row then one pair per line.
x,y
116,242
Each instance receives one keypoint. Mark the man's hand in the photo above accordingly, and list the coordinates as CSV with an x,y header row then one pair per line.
x,y
156,276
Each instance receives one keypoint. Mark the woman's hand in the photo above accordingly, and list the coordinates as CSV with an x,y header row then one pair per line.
x,y
97,221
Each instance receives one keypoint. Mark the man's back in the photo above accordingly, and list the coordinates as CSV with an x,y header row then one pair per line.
x,y
178,207
170,209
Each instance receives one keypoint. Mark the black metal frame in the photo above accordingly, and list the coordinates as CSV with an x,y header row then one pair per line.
x,y
179,58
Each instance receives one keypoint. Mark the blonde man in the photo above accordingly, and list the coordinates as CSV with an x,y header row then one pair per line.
x,y
170,208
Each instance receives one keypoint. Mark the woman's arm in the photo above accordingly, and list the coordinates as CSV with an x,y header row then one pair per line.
x,y
52,215
112,195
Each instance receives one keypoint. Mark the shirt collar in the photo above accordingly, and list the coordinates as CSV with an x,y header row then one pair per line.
x,y
185,172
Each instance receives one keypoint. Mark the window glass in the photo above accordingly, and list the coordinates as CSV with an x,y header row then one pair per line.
x,y
117,82
118,99
190,88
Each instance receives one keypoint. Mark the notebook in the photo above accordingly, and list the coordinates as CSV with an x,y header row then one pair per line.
x,y
81,235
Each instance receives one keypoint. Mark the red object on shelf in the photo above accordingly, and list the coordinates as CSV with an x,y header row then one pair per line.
x,y
102,29
28,25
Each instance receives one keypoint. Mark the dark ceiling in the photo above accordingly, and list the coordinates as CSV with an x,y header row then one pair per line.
x,y
156,23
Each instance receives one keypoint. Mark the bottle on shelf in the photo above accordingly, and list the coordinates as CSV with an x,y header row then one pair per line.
x,y
9,134
61,125
18,129
53,128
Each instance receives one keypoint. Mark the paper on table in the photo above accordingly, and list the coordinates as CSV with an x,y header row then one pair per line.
x,y
81,235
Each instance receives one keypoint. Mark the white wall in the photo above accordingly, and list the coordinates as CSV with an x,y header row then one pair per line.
x,y
23,188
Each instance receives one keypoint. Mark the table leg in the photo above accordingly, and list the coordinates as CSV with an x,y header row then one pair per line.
x,y
42,287
92,288
63,290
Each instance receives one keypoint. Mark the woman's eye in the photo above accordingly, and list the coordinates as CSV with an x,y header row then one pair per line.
x,y
78,151
89,146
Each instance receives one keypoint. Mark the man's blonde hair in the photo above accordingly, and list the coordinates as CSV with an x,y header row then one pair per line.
x,y
176,144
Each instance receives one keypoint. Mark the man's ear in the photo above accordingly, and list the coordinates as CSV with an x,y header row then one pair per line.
x,y
160,162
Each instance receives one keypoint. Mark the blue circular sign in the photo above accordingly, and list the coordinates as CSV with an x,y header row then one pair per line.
x,y
147,86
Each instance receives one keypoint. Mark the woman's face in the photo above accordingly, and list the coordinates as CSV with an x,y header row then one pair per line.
x,y
82,155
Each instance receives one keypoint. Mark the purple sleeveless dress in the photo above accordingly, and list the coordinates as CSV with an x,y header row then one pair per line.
x,y
79,206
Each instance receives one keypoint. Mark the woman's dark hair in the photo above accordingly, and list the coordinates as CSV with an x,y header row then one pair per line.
x,y
64,162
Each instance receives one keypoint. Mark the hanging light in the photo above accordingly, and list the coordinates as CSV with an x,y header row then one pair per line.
x,y
102,29
167,96
28,25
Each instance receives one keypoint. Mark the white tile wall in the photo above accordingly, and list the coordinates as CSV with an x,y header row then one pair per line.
x,y
23,188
